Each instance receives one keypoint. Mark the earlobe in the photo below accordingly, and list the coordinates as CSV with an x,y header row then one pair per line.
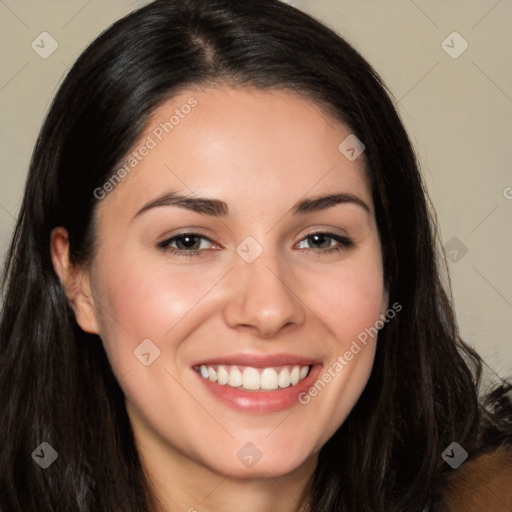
x,y
75,281
385,302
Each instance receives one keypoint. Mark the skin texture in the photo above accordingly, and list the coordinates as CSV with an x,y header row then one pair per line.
x,y
260,152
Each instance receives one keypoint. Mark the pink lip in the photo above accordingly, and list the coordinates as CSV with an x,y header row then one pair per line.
x,y
259,401
258,360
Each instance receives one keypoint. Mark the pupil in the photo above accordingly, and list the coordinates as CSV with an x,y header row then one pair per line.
x,y
187,241
318,238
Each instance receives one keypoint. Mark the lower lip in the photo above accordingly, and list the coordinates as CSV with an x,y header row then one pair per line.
x,y
260,401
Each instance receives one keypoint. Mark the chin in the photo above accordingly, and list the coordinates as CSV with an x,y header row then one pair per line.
x,y
247,461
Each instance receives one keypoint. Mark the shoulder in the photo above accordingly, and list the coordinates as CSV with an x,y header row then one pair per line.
x,y
484,482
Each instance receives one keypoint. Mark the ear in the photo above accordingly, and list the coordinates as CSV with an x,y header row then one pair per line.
x,y
384,305
385,301
75,281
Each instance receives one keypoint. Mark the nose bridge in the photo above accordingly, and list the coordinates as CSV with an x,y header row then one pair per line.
x,y
260,294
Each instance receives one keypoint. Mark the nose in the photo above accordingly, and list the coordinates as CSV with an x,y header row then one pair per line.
x,y
261,297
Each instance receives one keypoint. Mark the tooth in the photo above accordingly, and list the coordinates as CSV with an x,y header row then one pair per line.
x,y
212,374
295,375
284,378
251,378
269,379
235,377
222,375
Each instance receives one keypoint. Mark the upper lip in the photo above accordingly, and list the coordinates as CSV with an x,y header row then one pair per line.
x,y
258,360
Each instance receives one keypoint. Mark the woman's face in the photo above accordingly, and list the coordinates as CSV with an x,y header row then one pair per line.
x,y
230,316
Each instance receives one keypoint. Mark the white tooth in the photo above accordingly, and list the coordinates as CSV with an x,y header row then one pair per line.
x,y
222,375
303,372
295,375
235,377
204,371
212,374
269,379
251,378
284,378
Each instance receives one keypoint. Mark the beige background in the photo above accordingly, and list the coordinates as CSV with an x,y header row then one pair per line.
x,y
457,110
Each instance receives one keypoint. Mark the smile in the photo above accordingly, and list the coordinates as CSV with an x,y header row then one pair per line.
x,y
257,383
247,378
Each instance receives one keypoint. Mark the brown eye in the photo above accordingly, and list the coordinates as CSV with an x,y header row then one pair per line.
x,y
185,244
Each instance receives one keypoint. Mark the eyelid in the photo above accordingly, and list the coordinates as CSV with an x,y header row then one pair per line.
x,y
324,230
167,240
189,231
196,232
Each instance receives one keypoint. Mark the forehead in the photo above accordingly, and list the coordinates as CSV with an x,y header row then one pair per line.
x,y
235,143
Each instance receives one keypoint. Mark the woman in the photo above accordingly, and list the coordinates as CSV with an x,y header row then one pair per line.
x,y
172,336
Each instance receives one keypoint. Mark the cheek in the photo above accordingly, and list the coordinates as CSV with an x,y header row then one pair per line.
x,y
353,304
139,299
348,303
348,298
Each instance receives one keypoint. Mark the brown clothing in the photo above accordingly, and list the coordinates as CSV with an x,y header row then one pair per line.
x,y
483,484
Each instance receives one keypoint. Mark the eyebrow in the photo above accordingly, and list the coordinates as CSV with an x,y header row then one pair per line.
x,y
218,208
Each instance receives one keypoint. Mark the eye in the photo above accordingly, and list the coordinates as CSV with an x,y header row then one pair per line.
x,y
187,244
324,242
193,244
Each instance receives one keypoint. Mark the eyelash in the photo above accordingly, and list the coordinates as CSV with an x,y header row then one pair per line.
x,y
344,244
